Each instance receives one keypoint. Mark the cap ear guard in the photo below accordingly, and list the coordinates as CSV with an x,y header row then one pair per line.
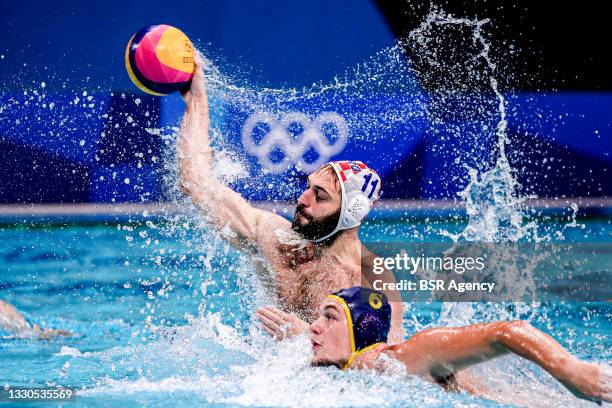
x,y
358,206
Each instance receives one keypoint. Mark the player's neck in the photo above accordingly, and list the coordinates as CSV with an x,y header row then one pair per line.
x,y
346,244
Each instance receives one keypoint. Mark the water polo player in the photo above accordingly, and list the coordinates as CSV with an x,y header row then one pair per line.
x,y
352,327
323,236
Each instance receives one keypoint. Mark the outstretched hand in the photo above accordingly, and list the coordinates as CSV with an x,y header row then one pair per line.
x,y
590,381
279,324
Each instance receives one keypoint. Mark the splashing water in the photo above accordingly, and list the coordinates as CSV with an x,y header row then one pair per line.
x,y
494,208
490,197
219,356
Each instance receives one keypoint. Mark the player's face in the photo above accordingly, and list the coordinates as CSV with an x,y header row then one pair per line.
x,y
329,335
318,208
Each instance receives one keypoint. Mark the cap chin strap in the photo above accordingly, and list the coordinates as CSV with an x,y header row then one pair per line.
x,y
357,353
353,208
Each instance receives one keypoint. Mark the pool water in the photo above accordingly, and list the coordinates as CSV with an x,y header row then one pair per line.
x,y
160,311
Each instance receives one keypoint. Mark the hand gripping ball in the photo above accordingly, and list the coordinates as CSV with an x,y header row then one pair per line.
x,y
159,60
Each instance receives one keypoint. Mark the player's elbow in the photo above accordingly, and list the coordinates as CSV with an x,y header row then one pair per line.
x,y
505,331
519,325
192,186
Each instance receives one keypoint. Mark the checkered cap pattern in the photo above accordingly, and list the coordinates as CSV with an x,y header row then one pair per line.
x,y
348,169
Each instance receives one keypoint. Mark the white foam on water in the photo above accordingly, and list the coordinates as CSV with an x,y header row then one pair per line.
x,y
69,351
277,374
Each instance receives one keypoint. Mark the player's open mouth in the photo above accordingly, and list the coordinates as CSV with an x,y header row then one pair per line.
x,y
315,345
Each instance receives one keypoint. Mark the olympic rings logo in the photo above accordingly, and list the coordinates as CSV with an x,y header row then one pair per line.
x,y
294,147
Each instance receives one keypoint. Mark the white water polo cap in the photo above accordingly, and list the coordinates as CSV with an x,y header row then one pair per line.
x,y
359,189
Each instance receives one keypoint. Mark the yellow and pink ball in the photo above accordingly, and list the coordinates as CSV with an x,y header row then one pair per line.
x,y
159,60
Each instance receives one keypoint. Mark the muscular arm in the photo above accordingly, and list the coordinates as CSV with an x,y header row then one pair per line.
x,y
223,206
439,353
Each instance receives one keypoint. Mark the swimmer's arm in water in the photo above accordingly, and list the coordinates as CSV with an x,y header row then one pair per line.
x,y
442,352
222,205
13,322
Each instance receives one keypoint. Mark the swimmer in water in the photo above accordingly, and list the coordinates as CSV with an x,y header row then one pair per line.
x,y
17,326
302,261
352,327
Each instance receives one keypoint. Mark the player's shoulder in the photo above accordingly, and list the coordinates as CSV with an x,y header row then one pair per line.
x,y
367,256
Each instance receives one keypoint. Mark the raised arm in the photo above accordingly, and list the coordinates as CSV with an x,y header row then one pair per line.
x,y
442,352
223,206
